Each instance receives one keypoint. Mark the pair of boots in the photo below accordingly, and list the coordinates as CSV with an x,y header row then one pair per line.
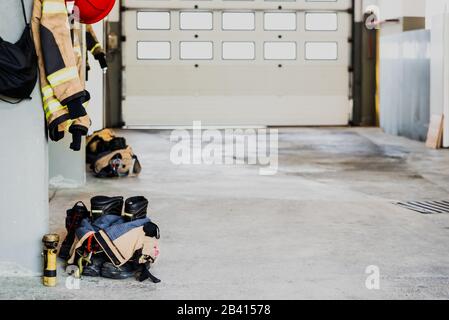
x,y
101,266
135,207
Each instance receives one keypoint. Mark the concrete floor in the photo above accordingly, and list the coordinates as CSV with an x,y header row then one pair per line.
x,y
308,232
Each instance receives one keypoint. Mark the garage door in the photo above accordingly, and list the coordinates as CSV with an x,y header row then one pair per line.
x,y
236,63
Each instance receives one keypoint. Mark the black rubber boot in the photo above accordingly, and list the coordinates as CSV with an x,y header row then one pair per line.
x,y
135,208
102,205
72,222
128,270
94,269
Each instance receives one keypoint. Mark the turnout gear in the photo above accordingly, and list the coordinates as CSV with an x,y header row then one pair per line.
x,y
103,141
125,244
135,208
94,47
102,205
72,222
118,163
92,11
62,76
18,65
110,156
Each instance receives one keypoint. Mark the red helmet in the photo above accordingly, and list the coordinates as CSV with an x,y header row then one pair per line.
x,y
92,11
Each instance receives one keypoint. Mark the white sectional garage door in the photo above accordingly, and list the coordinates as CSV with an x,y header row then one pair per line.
x,y
236,63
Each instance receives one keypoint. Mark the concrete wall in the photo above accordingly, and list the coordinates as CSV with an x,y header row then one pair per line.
x,y
67,168
434,8
391,9
24,174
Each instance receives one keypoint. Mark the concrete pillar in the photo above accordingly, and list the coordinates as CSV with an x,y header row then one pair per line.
x,y
67,167
24,168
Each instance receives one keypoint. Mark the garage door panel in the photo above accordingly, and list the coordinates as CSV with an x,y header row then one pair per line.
x,y
234,23
239,4
183,110
236,62
244,80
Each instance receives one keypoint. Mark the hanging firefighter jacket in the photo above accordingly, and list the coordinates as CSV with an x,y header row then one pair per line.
x,y
62,75
94,47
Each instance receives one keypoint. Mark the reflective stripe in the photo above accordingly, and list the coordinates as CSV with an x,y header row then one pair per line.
x,y
51,107
62,76
69,123
95,47
53,7
47,93
54,105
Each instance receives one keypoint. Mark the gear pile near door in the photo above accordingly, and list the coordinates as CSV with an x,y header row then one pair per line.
x,y
110,243
109,156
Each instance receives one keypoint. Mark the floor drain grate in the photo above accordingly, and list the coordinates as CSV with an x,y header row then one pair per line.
x,y
426,207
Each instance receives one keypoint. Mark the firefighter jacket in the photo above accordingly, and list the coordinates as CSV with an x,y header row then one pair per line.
x,y
120,240
95,48
62,75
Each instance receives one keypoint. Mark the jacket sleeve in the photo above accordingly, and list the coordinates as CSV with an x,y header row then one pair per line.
x,y
59,59
94,47
55,113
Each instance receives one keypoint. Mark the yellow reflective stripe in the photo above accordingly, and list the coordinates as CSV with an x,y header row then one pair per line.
x,y
54,105
53,7
62,76
47,93
69,124
95,47
51,107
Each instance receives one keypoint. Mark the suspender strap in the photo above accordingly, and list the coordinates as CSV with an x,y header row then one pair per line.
x,y
24,12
